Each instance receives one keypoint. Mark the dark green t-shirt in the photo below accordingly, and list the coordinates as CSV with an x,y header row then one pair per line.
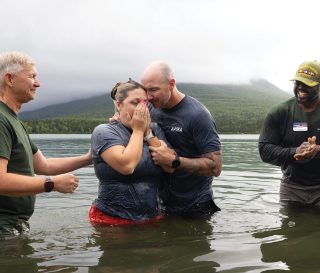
x,y
285,128
15,146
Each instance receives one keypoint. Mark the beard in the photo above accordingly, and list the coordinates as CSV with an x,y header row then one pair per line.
x,y
305,98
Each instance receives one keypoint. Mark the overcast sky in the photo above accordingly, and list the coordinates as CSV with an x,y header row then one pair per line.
x,y
83,47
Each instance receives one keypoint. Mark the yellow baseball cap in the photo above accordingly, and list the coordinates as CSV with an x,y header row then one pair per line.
x,y
308,73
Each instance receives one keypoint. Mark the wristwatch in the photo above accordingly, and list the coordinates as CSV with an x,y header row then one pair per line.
x,y
148,136
48,184
176,162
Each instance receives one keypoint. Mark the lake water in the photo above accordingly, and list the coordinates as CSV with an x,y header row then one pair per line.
x,y
251,233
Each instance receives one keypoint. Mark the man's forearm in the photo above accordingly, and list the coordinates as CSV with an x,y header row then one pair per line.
x,y
20,185
67,164
208,165
275,154
55,166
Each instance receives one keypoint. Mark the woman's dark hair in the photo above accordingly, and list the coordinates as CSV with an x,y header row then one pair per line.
x,y
120,91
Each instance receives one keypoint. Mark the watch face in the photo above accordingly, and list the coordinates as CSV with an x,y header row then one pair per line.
x,y
176,162
48,186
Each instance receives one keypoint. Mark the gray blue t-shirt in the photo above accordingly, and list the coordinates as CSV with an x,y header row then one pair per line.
x,y
191,131
135,196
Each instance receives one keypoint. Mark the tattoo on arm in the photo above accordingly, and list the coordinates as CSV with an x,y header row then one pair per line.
x,y
209,164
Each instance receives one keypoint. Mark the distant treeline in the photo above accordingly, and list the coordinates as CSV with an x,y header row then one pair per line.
x,y
238,120
226,125
62,126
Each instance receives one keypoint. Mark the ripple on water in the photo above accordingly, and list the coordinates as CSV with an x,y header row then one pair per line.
x,y
63,240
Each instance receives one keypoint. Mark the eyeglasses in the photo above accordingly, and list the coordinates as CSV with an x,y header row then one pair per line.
x,y
304,87
124,87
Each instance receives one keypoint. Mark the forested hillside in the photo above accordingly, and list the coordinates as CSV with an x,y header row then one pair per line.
x,y
236,108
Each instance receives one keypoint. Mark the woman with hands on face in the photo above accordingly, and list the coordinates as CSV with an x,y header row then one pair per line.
x,y
129,181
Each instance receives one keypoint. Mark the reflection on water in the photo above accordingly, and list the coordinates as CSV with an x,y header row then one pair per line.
x,y
167,246
296,242
251,233
16,256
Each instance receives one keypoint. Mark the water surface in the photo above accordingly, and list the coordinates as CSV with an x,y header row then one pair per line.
x,y
251,233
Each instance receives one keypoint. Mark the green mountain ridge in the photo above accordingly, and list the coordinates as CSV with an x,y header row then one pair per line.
x,y
94,107
236,108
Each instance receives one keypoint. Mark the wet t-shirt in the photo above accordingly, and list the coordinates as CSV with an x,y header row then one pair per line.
x,y
135,196
191,131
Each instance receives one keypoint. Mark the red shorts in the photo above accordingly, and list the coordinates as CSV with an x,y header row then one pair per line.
x,y
96,216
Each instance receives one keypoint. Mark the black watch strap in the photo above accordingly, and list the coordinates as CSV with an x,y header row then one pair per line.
x,y
48,184
176,162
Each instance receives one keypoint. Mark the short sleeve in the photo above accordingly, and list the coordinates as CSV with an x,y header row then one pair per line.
x,y
205,133
5,141
34,148
104,137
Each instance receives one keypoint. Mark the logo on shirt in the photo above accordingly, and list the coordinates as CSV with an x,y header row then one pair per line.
x,y
176,129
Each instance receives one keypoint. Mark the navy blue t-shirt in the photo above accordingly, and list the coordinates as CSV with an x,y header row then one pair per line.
x,y
191,131
135,196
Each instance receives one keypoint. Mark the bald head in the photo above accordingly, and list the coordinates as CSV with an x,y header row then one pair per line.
x,y
159,70
160,84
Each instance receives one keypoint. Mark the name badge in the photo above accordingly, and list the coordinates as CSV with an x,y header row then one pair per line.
x,y
300,126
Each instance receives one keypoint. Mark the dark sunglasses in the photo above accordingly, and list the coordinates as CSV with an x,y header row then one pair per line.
x,y
305,87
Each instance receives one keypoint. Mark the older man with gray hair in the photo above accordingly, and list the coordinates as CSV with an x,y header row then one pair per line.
x,y
20,159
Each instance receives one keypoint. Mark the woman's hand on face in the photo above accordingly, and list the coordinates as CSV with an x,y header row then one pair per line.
x,y
139,120
148,128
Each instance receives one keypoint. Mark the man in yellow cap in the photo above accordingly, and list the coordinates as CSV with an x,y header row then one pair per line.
x,y
289,138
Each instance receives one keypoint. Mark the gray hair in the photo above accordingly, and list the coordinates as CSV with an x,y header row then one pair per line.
x,y
13,62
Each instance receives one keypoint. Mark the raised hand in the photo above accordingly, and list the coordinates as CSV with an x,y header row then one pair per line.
x,y
162,155
306,150
139,120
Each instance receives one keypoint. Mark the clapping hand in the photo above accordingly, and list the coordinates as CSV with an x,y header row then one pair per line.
x,y
306,150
